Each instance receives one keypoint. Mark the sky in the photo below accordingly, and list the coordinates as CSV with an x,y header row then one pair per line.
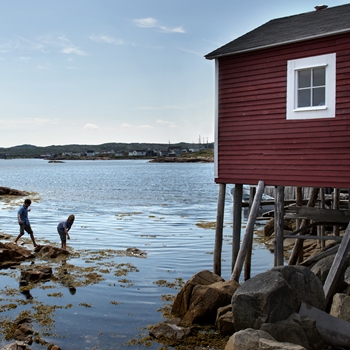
x,y
98,71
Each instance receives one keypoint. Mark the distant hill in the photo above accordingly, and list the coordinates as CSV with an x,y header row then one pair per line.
x,y
31,151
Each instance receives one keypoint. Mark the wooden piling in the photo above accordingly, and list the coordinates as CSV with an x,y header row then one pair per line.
x,y
248,236
219,229
237,223
279,225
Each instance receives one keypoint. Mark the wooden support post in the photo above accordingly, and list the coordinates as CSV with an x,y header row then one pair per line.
x,y
336,195
337,266
219,229
321,230
279,224
298,246
252,191
248,236
237,223
299,203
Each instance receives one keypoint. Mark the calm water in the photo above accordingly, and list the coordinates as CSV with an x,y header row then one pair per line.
x,y
156,207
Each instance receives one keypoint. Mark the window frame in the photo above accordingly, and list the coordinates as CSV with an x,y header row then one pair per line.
x,y
325,111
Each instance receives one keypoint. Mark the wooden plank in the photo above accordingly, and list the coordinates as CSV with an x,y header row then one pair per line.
x,y
334,331
249,231
219,230
330,238
337,266
318,214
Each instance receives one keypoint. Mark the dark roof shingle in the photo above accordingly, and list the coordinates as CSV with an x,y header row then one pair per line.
x,y
289,29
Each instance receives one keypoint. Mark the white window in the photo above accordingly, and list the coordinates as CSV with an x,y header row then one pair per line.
x,y
311,87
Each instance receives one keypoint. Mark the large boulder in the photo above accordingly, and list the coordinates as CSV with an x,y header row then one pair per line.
x,y
266,297
274,295
305,284
200,298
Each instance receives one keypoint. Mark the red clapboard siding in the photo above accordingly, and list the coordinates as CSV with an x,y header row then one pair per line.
x,y
256,142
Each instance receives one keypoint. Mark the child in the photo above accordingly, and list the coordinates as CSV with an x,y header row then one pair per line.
x,y
63,229
24,224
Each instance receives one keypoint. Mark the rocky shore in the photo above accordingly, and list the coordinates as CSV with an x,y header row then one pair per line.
x,y
283,308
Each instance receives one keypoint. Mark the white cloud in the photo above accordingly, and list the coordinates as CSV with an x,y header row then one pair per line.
x,y
24,58
90,126
150,22
106,39
126,125
145,126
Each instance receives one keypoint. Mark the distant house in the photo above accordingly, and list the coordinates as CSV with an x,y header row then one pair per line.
x,y
283,102
138,153
90,153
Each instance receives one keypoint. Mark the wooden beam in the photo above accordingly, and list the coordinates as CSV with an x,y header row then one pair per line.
x,y
237,223
337,266
279,225
249,231
318,214
219,229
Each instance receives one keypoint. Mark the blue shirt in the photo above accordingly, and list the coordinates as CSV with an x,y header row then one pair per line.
x,y
64,224
23,214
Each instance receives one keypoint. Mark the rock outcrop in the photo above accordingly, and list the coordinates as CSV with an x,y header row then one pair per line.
x,y
12,254
201,297
12,192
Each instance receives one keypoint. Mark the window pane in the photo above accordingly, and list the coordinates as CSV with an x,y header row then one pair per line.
x,y
319,76
319,96
304,98
304,78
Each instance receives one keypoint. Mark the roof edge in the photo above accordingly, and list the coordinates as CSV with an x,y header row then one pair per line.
x,y
279,44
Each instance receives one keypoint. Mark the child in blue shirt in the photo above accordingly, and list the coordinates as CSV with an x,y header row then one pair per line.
x,y
23,221
63,229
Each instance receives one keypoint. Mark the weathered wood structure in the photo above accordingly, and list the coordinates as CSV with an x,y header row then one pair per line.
x,y
283,109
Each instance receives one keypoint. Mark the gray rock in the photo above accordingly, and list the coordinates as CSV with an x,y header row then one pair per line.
x,y
266,297
169,331
267,344
247,339
341,306
288,331
305,284
312,334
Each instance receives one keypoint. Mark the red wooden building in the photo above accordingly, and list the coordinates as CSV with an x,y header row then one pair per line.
x,y
282,114
283,102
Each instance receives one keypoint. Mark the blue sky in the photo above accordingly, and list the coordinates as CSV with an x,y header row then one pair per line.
x,y
97,71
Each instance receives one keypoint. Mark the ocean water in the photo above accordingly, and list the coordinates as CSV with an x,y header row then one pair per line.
x,y
166,210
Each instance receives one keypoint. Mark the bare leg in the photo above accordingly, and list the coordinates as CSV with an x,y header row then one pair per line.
x,y
33,239
18,237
